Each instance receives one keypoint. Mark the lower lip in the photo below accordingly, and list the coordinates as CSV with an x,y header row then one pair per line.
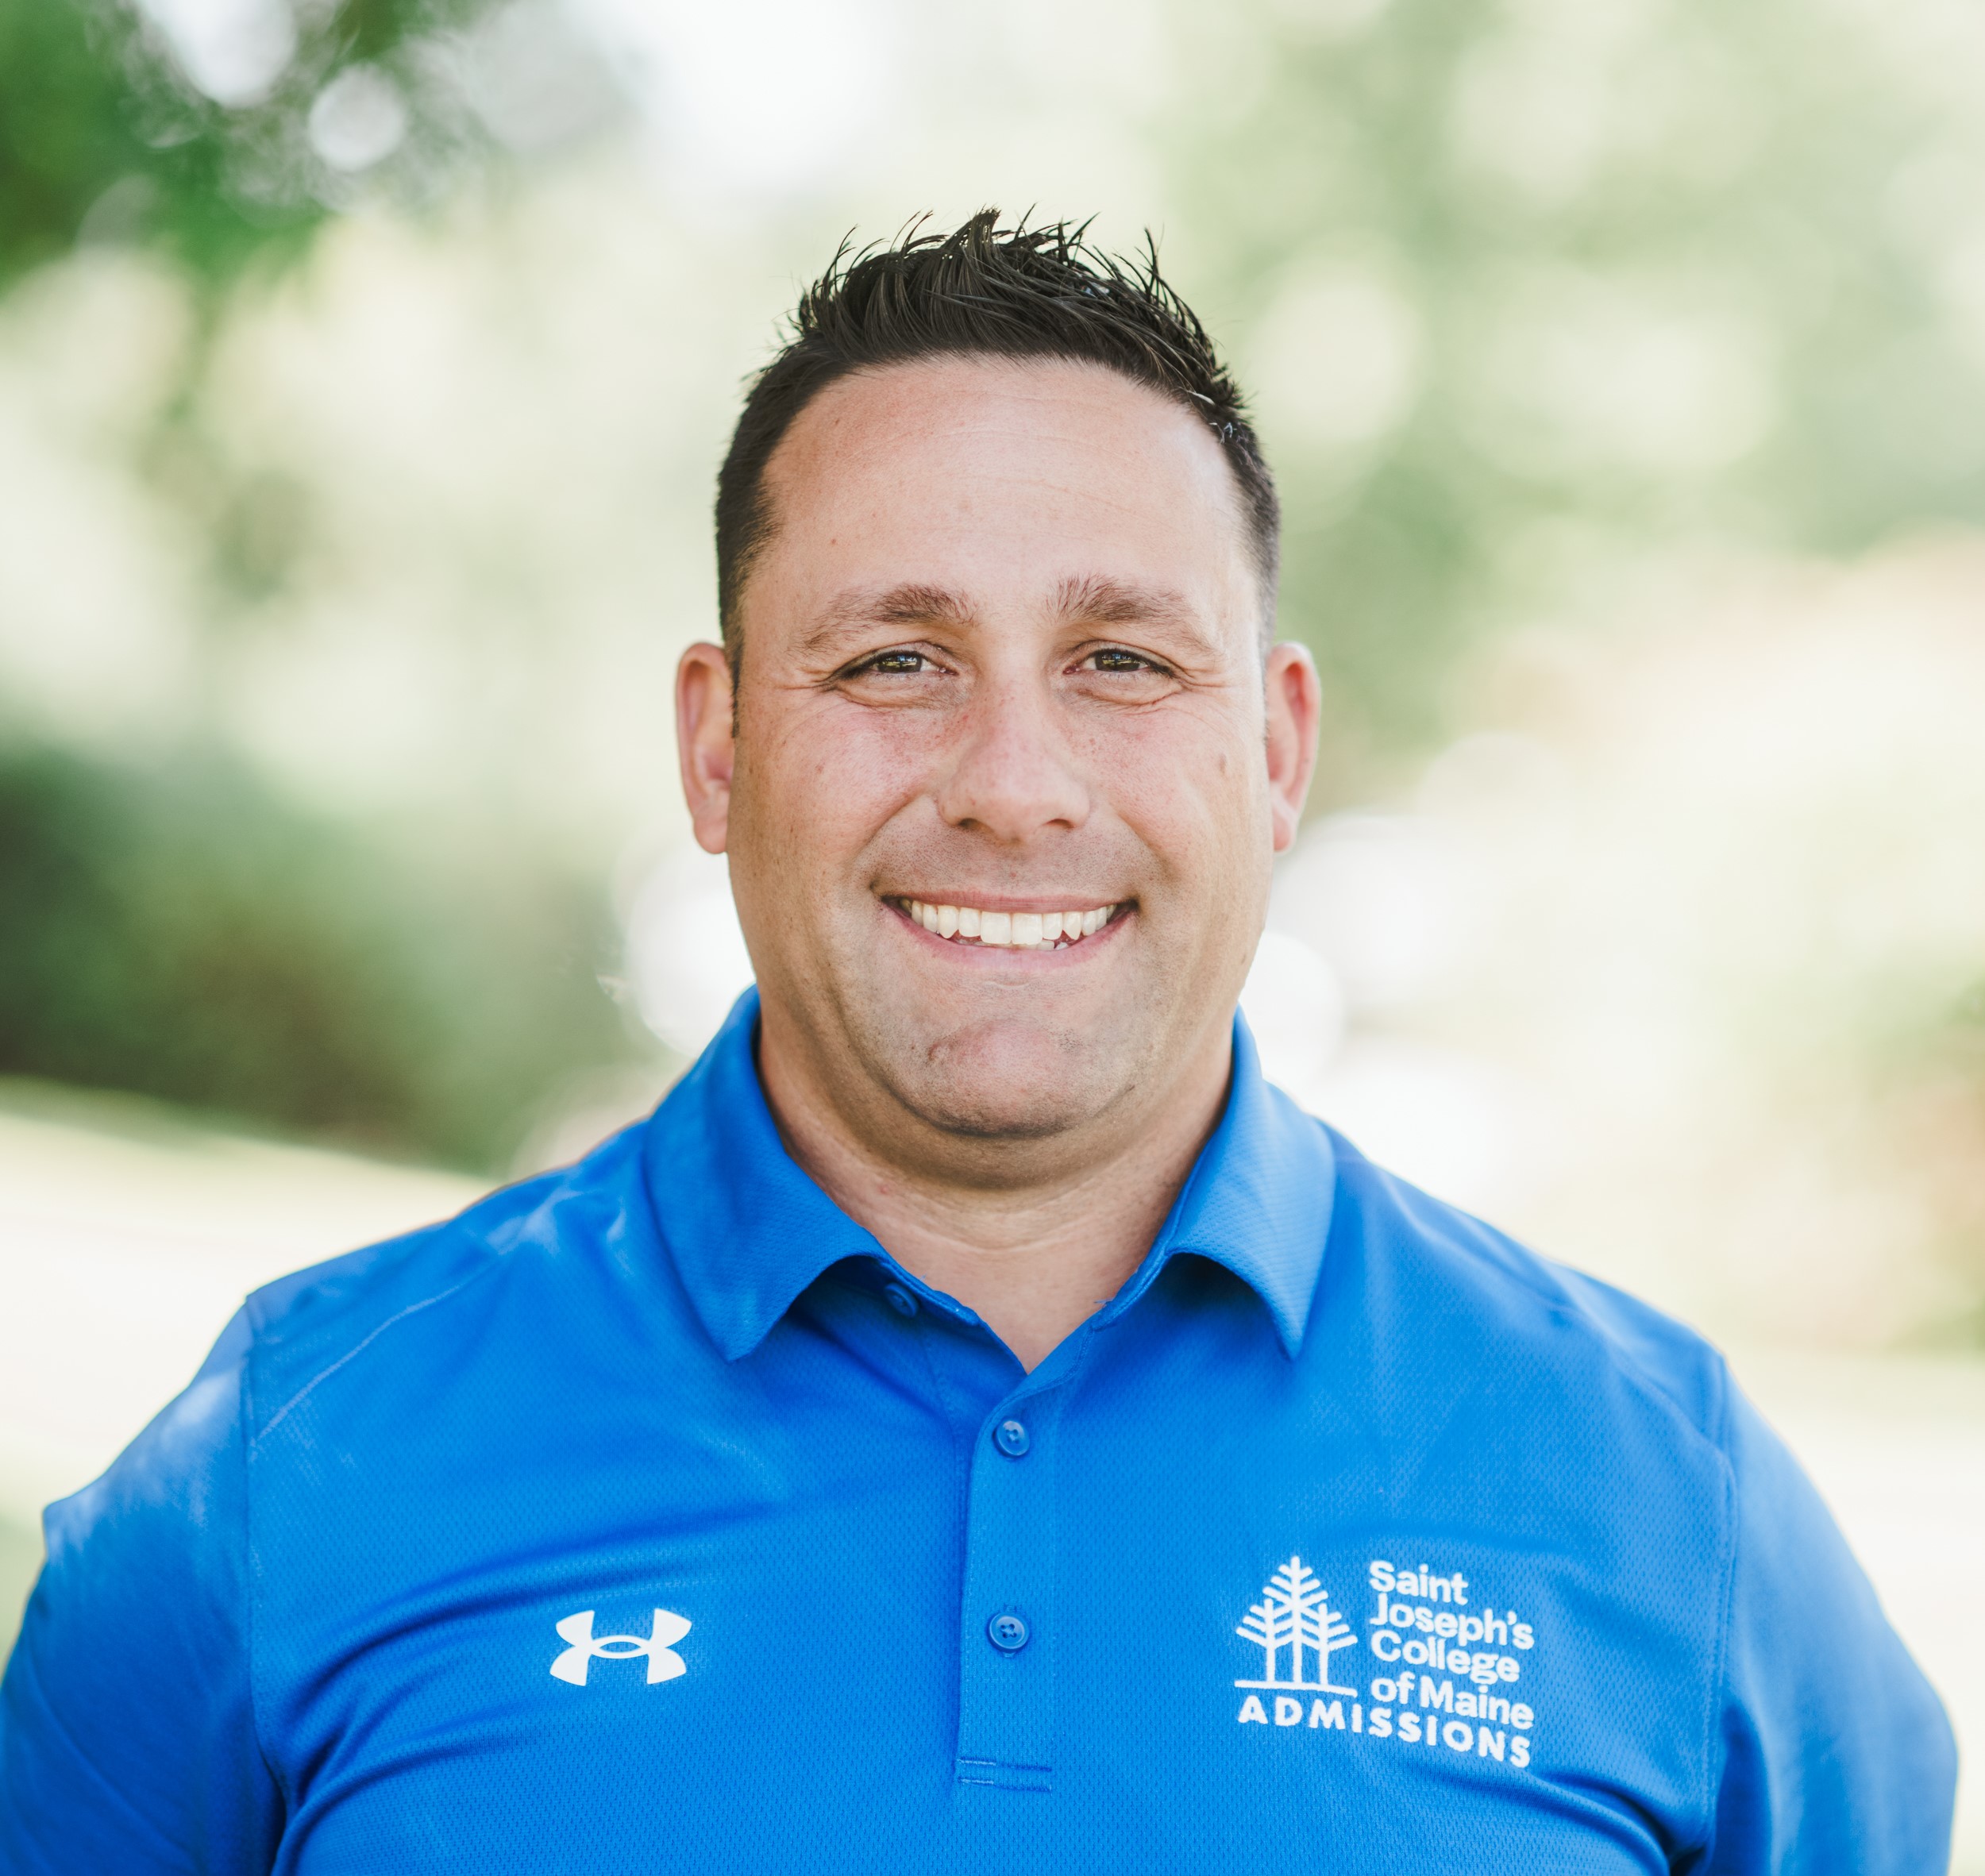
x,y
1008,954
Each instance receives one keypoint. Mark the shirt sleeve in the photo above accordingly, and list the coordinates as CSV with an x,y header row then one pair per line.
x,y
127,1732
1836,1755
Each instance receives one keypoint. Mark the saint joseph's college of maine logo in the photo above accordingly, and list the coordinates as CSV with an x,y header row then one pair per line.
x,y
1459,1701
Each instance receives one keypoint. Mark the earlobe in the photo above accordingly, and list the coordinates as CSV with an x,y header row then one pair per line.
x,y
704,746
1294,717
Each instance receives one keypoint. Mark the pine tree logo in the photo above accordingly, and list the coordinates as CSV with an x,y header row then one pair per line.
x,y
1294,1616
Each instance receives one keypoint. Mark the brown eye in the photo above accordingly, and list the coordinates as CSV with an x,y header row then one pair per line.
x,y
896,664
1117,660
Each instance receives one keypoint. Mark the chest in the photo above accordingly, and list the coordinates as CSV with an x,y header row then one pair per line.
x,y
890,1643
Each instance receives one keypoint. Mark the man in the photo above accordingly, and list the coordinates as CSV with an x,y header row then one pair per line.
x,y
976,1424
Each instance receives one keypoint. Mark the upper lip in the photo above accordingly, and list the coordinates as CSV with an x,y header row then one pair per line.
x,y
1010,902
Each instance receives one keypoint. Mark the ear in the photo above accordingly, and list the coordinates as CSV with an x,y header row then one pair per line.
x,y
703,742
1295,714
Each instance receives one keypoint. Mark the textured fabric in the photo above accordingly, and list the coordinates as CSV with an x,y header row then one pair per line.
x,y
648,1514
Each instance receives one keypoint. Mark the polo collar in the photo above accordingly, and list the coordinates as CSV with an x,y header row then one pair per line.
x,y
748,1230
1259,1200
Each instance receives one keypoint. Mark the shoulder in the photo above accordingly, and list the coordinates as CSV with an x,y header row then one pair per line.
x,y
293,1332
1464,1283
304,1328
184,1469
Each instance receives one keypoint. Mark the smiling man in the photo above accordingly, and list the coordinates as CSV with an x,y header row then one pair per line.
x,y
975,1424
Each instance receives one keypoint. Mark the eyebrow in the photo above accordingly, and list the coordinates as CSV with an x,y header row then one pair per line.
x,y
1119,602
911,604
1089,597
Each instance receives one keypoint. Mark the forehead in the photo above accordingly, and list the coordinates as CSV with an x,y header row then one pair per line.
x,y
998,475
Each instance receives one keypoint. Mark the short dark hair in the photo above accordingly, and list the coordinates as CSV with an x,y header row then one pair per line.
x,y
1012,293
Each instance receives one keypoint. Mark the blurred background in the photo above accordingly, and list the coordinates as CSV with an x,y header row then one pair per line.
x,y
363,371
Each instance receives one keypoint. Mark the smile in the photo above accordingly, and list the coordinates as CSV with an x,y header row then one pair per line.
x,y
1013,931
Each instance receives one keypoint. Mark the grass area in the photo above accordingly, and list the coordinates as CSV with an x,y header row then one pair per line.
x,y
20,1563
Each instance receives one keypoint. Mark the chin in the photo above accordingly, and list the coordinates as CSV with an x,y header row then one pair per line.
x,y
1027,1085
1024,1116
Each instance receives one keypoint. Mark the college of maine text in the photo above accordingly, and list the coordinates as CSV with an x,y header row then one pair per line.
x,y
1424,1625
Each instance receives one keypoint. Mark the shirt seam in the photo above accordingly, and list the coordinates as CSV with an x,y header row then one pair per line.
x,y
1719,1679
251,1579
252,1438
1566,1306
366,1341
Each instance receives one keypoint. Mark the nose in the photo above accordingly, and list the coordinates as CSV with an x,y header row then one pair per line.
x,y
1012,775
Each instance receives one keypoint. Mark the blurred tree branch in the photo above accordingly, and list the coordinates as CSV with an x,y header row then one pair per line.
x,y
104,134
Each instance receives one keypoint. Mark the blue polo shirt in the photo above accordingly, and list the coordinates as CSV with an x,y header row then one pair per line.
x,y
649,1516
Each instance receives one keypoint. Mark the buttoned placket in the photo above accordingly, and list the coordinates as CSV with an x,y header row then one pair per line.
x,y
1007,1629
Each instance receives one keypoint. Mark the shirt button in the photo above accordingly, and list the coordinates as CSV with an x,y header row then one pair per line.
x,y
1008,1632
901,1299
1010,1437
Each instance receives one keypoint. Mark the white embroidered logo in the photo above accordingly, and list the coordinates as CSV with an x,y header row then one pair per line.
x,y
1295,1613
1447,1685
664,1663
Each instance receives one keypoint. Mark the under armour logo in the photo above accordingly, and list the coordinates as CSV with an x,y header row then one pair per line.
x,y
664,1663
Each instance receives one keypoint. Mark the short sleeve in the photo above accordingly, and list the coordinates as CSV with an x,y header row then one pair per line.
x,y
1835,1754
127,1734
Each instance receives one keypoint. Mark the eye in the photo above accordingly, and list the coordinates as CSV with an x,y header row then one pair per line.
x,y
1114,658
905,674
893,664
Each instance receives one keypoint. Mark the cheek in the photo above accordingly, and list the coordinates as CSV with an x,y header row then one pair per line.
x,y
1184,790
821,784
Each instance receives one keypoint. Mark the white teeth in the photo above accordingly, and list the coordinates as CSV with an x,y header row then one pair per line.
x,y
1018,931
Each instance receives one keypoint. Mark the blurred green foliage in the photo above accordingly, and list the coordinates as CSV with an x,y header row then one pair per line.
x,y
101,133
175,931
172,927
1663,271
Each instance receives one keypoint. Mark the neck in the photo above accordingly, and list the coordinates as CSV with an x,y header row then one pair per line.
x,y
1034,1253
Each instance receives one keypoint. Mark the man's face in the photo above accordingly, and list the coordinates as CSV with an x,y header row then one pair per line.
x,y
1001,658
